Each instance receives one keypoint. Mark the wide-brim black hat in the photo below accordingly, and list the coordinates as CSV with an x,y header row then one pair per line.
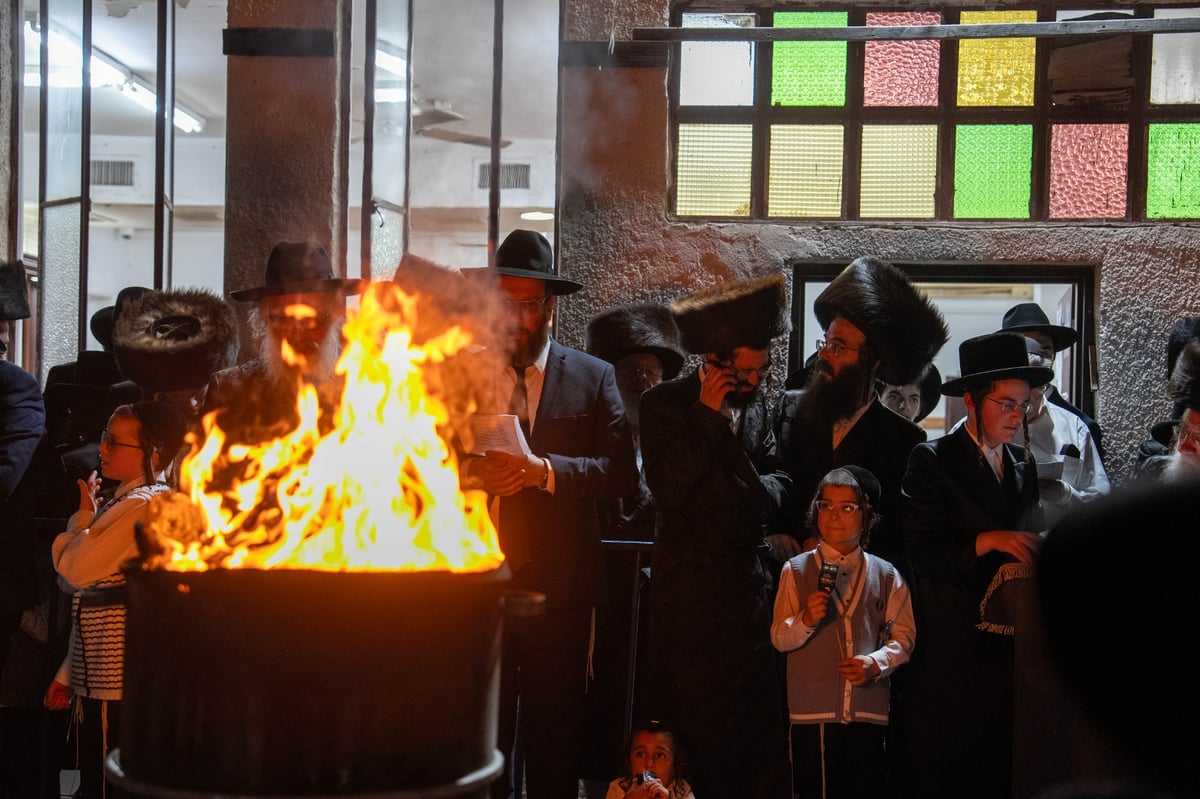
x,y
527,253
746,313
630,329
103,320
1029,317
901,324
995,356
299,267
14,294
1164,431
175,340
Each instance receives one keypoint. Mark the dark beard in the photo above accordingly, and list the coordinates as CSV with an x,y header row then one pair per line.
x,y
826,401
740,399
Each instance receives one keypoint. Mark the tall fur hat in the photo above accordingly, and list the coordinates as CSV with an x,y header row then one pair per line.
x,y
627,329
14,296
901,324
1182,331
174,340
1185,380
747,313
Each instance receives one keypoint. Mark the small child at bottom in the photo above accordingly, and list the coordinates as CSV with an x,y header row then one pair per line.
x,y
844,618
655,763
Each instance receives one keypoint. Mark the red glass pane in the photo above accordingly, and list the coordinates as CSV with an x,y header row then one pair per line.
x,y
902,73
1088,171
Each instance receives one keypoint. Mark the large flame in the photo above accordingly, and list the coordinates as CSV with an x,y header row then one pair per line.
x,y
379,491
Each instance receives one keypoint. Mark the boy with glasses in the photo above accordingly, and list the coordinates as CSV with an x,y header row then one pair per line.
x,y
971,516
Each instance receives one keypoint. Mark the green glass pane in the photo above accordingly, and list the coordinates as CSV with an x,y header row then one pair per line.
x,y
805,175
714,170
996,72
992,166
809,73
1173,171
899,171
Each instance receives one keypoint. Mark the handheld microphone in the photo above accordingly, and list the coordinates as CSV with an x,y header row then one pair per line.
x,y
828,578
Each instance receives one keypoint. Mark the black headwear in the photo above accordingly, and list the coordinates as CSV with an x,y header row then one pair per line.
x,y
745,313
995,356
300,267
173,340
629,329
528,254
1029,317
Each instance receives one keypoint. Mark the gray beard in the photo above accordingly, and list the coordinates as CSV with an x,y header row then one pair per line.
x,y
1181,467
316,371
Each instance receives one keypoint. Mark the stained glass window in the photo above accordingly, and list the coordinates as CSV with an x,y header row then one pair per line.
x,y
1173,173
1089,171
809,73
996,71
899,171
714,170
992,168
806,170
903,72
1175,70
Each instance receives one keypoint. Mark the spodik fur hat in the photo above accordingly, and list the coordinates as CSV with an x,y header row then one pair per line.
x,y
901,324
174,340
747,313
628,329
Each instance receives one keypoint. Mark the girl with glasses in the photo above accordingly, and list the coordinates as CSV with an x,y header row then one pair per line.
x,y
138,444
844,618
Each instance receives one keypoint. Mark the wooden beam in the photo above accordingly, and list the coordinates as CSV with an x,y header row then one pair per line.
x,y
859,33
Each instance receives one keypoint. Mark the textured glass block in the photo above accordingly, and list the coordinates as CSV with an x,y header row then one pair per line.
x,y
1173,171
60,283
809,73
902,73
714,170
899,171
996,72
1175,64
805,175
1089,170
992,166
717,73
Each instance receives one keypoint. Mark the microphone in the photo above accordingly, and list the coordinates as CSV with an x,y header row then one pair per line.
x,y
829,573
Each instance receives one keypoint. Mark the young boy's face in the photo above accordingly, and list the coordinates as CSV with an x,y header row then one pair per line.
x,y
652,750
121,454
839,528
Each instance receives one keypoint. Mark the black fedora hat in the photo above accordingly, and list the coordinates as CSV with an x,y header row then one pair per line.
x,y
995,356
299,267
1029,317
527,253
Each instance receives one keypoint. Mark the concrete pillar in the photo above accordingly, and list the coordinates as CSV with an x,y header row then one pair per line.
x,y
288,134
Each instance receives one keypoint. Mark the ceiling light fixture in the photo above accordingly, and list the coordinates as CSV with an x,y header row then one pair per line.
x,y
537,216
106,71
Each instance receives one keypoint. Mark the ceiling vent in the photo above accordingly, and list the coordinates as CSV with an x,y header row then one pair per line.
x,y
112,173
512,176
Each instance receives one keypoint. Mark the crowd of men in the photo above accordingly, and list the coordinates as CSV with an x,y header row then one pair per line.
x,y
663,431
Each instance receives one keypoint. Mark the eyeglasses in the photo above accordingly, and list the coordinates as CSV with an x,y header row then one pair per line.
x,y
742,375
1008,406
1183,437
107,440
526,307
308,323
835,348
844,508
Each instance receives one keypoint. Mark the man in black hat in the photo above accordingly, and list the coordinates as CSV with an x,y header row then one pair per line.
x,y
1183,330
913,401
878,327
1181,459
1028,319
712,466
580,454
301,305
971,522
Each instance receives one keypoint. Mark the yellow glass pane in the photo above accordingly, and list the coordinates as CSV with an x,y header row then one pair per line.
x,y
714,170
996,72
899,171
805,174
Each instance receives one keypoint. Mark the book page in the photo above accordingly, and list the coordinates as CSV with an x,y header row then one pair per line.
x,y
496,431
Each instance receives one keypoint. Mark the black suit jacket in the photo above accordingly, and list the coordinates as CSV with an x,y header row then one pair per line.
x,y
22,426
581,428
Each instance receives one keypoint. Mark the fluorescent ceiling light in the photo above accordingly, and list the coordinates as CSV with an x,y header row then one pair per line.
x,y
395,64
105,71
537,216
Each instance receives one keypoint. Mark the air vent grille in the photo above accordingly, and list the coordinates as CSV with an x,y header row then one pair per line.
x,y
112,173
512,176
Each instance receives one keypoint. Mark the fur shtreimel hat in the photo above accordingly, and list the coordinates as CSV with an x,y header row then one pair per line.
x,y
1182,331
629,329
1185,380
174,340
903,326
748,313
14,296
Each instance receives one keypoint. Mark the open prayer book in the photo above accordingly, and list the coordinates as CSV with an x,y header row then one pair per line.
x,y
494,431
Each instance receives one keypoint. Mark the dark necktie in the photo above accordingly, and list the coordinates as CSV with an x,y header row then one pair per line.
x,y
519,402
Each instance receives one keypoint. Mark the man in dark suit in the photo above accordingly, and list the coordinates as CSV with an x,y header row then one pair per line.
x,y
971,524
581,453
711,463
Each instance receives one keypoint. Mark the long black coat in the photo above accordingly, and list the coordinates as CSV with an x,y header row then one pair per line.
x,y
717,676
962,679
